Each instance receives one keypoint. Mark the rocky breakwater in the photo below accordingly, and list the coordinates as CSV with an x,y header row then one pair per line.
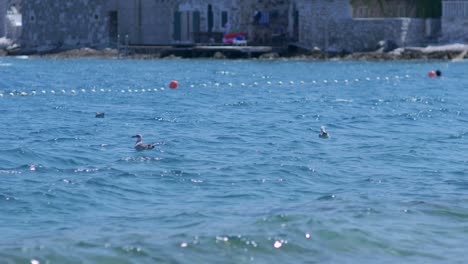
x,y
442,52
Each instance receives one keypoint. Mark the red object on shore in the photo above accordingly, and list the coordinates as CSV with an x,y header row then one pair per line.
x,y
432,74
229,38
174,84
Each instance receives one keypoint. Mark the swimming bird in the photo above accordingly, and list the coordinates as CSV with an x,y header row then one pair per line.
x,y
139,145
323,133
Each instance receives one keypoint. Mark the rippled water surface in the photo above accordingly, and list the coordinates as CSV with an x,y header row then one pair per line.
x,y
239,174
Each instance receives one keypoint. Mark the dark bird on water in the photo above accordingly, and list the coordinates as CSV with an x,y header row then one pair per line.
x,y
139,145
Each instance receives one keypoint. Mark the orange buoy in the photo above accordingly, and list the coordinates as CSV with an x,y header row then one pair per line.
x,y
174,84
432,74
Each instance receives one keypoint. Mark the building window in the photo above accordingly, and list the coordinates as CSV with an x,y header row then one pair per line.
x,y
224,18
210,18
362,11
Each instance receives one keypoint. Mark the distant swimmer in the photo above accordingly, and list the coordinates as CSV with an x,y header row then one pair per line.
x,y
439,73
323,133
139,145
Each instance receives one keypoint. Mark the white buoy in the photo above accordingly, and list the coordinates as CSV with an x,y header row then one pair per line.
x,y
11,94
63,91
336,81
230,84
73,91
162,89
102,90
43,92
24,94
1,95
367,79
378,78
255,83
280,83
83,90
314,82
130,90
216,84
52,91
93,91
242,84
291,82
325,81
269,83
192,86
33,93
122,91
302,82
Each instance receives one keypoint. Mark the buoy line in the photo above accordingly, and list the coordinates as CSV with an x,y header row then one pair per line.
x,y
175,85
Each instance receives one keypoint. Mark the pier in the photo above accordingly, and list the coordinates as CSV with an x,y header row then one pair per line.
x,y
194,51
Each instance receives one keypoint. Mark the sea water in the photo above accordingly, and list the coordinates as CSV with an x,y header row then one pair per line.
x,y
239,174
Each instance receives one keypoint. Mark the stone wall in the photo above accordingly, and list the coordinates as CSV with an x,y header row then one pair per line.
x,y
329,26
3,12
455,30
50,24
455,21
365,34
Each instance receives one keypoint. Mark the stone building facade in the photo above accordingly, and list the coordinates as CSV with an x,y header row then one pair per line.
x,y
455,21
330,25
333,25
3,13
99,23
50,24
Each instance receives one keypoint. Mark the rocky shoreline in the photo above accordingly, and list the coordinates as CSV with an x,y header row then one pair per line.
x,y
446,53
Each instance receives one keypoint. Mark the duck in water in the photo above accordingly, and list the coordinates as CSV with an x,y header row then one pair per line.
x,y
139,145
323,133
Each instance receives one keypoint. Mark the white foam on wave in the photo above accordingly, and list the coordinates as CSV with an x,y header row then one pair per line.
x,y
344,100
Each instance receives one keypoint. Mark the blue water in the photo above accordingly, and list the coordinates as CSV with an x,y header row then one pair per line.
x,y
239,174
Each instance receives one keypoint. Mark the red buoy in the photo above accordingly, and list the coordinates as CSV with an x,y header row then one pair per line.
x,y
174,84
432,74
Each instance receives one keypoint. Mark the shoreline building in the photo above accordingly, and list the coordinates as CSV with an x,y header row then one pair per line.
x,y
331,25
53,24
358,25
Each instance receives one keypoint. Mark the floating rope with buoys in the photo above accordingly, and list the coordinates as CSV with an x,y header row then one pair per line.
x,y
175,84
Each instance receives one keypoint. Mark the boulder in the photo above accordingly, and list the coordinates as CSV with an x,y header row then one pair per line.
x,y
386,46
